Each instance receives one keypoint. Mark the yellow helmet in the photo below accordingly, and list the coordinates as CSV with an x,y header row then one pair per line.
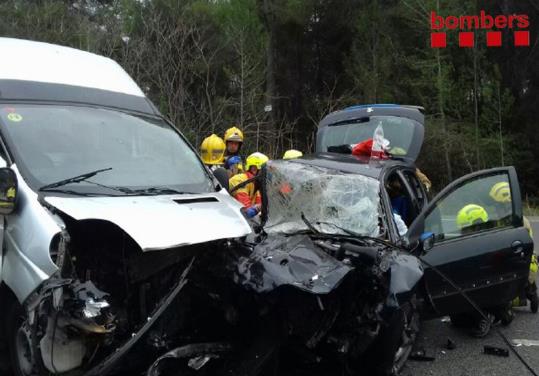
x,y
471,214
233,134
212,150
292,154
256,159
501,192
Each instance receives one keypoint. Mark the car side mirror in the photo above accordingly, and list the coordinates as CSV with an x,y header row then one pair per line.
x,y
8,190
222,177
427,241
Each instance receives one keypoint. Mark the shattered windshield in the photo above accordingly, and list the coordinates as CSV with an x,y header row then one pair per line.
x,y
332,201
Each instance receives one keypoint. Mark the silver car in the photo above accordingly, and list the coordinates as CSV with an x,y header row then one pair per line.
x,y
103,205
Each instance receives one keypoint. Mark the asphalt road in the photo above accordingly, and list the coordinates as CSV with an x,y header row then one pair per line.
x,y
468,358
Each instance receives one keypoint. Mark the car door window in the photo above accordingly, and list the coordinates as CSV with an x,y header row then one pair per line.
x,y
477,205
417,189
399,197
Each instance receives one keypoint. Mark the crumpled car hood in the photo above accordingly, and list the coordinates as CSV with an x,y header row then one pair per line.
x,y
290,261
160,222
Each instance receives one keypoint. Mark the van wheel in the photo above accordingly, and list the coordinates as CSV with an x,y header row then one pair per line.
x,y
21,354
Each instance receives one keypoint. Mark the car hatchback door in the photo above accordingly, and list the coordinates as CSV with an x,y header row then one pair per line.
x,y
480,241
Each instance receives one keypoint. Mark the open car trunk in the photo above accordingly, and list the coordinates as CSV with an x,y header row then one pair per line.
x,y
403,126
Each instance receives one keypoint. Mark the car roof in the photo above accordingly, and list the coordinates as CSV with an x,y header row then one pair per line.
x,y
38,71
352,164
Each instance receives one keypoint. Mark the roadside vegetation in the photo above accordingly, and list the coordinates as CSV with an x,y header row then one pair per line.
x,y
208,64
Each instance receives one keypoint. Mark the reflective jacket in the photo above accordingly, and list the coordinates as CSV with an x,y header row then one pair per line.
x,y
246,195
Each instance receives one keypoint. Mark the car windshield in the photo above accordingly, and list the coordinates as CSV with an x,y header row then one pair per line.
x,y
331,201
53,143
398,130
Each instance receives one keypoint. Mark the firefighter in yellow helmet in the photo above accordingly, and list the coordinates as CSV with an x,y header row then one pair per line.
x,y
212,151
248,195
292,154
471,217
234,140
501,194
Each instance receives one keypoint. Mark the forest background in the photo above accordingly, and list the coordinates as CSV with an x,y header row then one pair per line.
x,y
210,64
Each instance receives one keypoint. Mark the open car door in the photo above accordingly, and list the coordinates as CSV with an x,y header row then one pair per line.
x,y
480,242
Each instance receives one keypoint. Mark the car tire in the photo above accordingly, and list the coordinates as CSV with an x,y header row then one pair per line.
x,y
409,334
506,314
533,298
534,303
391,349
461,320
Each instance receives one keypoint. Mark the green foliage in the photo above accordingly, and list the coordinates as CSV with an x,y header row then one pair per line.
x,y
208,64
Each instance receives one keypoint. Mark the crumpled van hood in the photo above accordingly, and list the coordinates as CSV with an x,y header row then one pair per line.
x,y
159,222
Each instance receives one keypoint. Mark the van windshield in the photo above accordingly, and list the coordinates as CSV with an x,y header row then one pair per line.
x,y
51,143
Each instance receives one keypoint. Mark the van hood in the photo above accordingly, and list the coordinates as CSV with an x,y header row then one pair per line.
x,y
160,222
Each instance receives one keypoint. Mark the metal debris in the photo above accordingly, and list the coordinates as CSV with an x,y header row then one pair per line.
x,y
493,350
421,356
450,345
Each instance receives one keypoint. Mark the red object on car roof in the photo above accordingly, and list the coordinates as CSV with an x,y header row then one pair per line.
x,y
363,149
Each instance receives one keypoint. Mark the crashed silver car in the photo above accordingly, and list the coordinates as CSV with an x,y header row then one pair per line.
x,y
104,205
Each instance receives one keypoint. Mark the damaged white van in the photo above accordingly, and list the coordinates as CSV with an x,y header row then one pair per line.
x,y
103,204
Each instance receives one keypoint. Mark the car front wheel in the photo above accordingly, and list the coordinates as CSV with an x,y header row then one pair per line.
x,y
391,349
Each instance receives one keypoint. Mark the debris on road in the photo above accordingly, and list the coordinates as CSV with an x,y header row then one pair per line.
x,y
450,345
420,355
493,350
525,342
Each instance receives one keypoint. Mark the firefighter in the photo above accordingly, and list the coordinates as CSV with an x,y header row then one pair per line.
x,y
234,140
501,194
248,195
212,151
233,165
471,218
292,154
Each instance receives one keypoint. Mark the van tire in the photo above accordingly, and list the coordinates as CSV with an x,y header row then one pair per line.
x,y
14,327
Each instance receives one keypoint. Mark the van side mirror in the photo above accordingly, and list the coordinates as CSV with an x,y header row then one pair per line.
x,y
222,177
8,190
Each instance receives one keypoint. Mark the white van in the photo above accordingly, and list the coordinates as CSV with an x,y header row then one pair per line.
x,y
101,201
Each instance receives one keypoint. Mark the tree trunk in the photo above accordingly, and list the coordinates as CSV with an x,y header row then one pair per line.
x,y
270,51
441,106
476,109
500,122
